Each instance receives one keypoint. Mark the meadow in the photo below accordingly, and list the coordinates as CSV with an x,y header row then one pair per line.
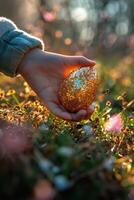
x,y
43,157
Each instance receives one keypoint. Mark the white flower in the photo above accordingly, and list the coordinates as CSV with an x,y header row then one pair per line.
x,y
108,163
87,129
43,127
66,151
61,182
45,165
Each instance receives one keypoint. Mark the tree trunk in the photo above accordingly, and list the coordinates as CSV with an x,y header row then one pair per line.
x,y
22,12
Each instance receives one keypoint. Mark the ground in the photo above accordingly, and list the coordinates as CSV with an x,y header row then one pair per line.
x,y
91,159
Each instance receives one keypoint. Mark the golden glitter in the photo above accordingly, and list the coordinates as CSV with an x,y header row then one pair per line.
x,y
78,90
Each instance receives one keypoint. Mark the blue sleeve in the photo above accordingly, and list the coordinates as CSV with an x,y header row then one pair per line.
x,y
14,45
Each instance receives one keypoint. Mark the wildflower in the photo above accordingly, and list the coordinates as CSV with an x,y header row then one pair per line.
x,y
66,151
45,165
61,182
108,163
43,127
114,124
108,103
10,92
2,93
87,130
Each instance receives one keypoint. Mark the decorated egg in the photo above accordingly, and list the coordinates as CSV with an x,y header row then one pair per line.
x,y
78,90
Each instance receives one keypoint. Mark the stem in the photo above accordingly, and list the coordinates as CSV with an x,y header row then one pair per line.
x,y
16,99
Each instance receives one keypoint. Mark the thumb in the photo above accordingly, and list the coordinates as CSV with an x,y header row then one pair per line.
x,y
80,61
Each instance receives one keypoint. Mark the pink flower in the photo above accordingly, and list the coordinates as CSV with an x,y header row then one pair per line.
x,y
49,16
114,124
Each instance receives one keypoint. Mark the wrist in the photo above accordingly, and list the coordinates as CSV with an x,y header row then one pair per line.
x,y
15,45
30,59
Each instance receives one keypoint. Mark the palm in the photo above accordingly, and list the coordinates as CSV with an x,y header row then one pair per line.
x,y
45,76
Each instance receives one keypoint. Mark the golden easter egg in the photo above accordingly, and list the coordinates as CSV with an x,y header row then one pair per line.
x,y
78,90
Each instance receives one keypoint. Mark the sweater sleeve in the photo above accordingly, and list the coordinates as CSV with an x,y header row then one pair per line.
x,y
6,25
14,45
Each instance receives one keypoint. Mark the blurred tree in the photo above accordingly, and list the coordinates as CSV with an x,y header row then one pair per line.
x,y
89,24
78,25
21,12
130,4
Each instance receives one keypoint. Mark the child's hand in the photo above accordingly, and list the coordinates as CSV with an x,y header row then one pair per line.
x,y
44,72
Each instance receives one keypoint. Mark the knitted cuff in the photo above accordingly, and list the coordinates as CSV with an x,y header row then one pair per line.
x,y
6,25
14,45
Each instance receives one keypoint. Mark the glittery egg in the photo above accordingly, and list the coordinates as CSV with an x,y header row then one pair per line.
x,y
78,90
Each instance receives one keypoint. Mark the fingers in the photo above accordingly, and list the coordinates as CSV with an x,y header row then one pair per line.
x,y
80,61
83,114
62,113
55,109
59,111
90,111
79,115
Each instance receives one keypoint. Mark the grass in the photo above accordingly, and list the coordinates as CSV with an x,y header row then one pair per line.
x,y
70,160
